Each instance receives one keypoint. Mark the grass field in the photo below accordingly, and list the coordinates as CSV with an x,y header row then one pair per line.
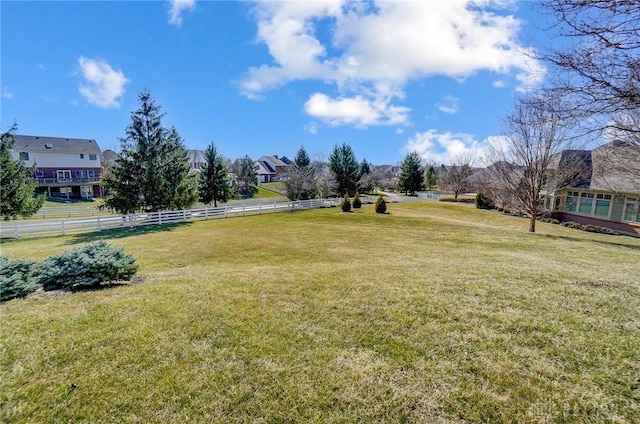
x,y
433,313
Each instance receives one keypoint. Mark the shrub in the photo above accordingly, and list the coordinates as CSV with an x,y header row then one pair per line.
x,y
18,278
89,265
345,205
380,205
484,201
357,203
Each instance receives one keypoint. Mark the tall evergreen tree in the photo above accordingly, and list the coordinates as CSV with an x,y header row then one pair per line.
x,y
247,176
152,172
301,160
214,178
17,185
180,185
365,168
345,170
431,179
411,177
300,182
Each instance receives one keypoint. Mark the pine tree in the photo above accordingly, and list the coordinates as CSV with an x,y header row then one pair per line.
x,y
431,179
247,176
17,185
302,159
214,178
180,186
345,170
411,177
152,172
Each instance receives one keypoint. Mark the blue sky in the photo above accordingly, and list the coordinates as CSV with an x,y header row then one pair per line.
x,y
263,78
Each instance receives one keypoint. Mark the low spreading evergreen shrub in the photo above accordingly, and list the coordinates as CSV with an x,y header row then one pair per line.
x,y
345,205
18,278
357,203
89,265
380,205
484,201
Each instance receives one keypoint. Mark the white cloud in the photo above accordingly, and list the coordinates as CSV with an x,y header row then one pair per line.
x,y
500,84
358,111
177,7
312,128
6,93
449,105
375,48
444,148
102,85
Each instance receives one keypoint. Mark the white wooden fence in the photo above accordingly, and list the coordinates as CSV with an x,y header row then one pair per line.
x,y
45,227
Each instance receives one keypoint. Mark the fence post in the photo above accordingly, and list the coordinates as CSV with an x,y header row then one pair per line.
x,y
159,217
130,220
62,222
184,215
260,209
243,210
206,213
15,229
99,225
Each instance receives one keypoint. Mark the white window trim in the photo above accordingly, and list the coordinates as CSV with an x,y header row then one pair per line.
x,y
634,216
593,199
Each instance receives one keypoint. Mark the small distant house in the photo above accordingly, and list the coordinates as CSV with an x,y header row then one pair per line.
x,y
65,167
270,169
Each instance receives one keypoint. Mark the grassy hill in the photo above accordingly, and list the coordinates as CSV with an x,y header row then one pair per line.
x,y
432,313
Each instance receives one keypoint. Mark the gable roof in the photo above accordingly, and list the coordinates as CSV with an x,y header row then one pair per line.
x,y
272,160
38,144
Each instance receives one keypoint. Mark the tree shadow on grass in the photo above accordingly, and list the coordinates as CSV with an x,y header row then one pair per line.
x,y
119,233
606,243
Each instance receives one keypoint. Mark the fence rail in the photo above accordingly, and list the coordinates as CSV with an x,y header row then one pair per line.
x,y
40,228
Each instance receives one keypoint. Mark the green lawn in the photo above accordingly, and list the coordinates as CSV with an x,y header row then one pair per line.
x,y
433,313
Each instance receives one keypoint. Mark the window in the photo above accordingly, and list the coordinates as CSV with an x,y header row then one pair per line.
x,y
81,155
64,175
631,210
603,203
93,157
572,201
24,156
586,200
48,146
595,204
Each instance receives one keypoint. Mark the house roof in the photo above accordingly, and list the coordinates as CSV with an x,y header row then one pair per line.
x,y
39,144
616,167
272,160
267,166
195,156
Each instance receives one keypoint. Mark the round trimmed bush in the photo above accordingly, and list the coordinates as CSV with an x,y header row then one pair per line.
x,y
380,205
345,205
357,203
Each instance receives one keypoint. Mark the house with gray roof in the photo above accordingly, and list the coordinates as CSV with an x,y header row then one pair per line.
x,y
270,168
598,187
65,167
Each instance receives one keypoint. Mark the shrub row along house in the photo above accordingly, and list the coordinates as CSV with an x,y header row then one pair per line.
x,y
64,167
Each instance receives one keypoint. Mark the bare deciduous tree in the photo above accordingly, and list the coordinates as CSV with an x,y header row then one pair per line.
x,y
598,69
534,136
456,178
